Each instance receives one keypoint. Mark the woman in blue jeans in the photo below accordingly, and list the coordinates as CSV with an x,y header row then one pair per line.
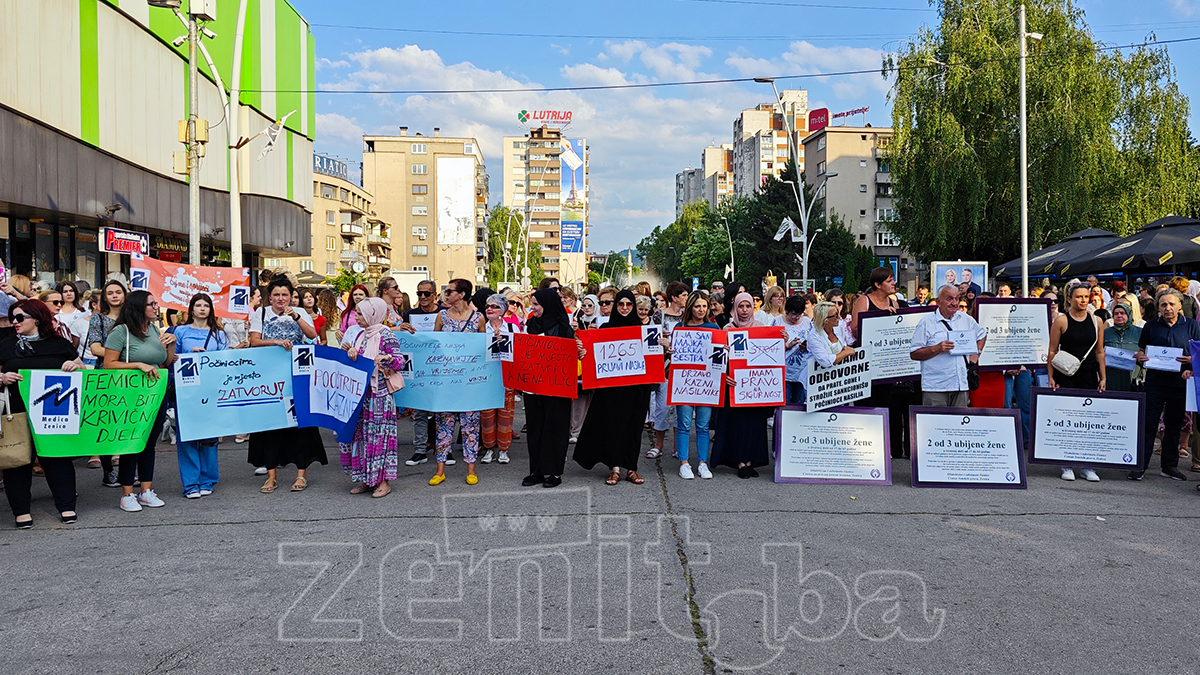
x,y
198,458
695,314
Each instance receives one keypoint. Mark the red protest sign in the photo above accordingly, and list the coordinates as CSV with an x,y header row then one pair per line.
x,y
697,377
616,357
756,363
543,365
174,285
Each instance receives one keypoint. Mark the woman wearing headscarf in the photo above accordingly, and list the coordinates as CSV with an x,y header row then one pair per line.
x,y
1123,335
496,424
589,310
548,418
612,431
371,458
741,440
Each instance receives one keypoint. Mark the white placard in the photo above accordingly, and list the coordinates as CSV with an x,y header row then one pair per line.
x,y
832,447
691,347
765,352
1121,359
1082,430
619,358
1190,404
758,386
739,345
695,386
423,322
964,342
966,449
335,389
650,339
840,384
500,348
1164,358
1018,334
718,358
55,401
887,341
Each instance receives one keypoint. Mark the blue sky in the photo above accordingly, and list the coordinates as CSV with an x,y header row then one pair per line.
x,y
639,138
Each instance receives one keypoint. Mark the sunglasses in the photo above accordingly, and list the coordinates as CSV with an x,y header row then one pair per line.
x,y
514,302
838,303
56,303
605,303
390,288
962,305
624,304
18,318
424,294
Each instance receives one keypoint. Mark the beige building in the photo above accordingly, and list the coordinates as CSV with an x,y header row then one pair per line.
x,y
433,190
547,182
346,233
717,162
861,192
760,142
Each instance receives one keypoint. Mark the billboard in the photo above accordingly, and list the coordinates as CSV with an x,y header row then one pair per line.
x,y
573,200
456,201
818,119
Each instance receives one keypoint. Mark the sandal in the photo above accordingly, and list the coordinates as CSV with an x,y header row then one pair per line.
x,y
634,478
359,489
653,453
300,484
1186,454
268,486
613,478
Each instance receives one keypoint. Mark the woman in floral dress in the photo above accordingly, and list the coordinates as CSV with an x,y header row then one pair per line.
x,y
371,459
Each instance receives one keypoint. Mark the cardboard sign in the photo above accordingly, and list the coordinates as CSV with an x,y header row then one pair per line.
x,y
239,391
331,394
757,387
109,412
448,372
696,386
756,362
697,367
174,285
543,365
616,357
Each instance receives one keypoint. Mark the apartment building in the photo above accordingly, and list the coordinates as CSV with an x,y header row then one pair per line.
x,y
760,140
689,189
861,192
546,179
433,191
717,162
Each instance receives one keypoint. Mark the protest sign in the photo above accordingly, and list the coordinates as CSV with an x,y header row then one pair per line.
x,y
1086,428
449,372
757,387
839,384
175,284
239,391
696,386
1018,332
616,357
331,394
756,362
887,339
966,448
842,445
698,361
543,365
693,346
86,412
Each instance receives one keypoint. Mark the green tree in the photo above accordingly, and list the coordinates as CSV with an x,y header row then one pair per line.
x,y
1108,136
345,280
615,268
506,248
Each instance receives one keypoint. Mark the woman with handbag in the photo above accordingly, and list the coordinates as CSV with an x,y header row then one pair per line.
x,y
198,459
35,346
136,344
371,458
1076,357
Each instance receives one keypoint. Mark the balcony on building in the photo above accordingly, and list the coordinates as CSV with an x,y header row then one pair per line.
x,y
352,230
350,255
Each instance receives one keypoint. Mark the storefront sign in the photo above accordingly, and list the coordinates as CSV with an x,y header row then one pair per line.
x,y
328,166
113,240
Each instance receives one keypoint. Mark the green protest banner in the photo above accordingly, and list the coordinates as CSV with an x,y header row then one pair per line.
x,y
91,412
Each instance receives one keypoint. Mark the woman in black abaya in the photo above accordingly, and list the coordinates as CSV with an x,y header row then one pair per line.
x,y
741,441
612,431
548,417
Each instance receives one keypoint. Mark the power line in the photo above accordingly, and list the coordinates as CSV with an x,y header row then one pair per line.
x,y
649,38
685,83
805,5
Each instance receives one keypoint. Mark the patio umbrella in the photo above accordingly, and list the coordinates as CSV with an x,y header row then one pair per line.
x,y
1074,246
1173,240
310,278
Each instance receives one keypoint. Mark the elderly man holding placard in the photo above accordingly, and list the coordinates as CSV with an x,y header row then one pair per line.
x,y
945,342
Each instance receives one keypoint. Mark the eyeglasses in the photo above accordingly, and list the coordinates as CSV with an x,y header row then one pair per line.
x,y
56,303
605,303
18,318
152,303
452,290
424,294
962,305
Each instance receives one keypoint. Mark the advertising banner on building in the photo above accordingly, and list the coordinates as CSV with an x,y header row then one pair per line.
x,y
175,284
456,201
573,198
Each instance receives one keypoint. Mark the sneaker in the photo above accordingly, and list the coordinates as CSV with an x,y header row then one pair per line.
x,y
487,457
260,471
1136,475
1173,474
1067,473
1089,475
130,503
703,470
205,493
192,495
417,458
450,461
503,457
685,472
240,438
148,498
110,479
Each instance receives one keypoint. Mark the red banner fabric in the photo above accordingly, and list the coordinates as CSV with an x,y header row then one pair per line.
x,y
543,365
616,357
174,285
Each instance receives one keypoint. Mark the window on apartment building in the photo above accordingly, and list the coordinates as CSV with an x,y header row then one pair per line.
x,y
328,191
885,214
305,265
881,166
420,250
330,218
534,144
862,188
420,268
820,168
420,169
518,171
862,162
883,189
420,231
862,237
420,189
821,143
345,195
882,141
862,212
519,145
551,144
468,148
864,137
551,195
330,243
330,269
420,148
518,158
420,210
886,238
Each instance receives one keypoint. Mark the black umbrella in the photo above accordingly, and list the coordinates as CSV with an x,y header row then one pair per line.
x,y
1173,240
1047,259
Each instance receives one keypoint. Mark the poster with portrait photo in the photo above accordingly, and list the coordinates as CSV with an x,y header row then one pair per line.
x,y
955,273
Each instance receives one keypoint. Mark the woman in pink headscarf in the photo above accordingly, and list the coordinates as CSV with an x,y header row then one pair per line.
x,y
371,459
741,440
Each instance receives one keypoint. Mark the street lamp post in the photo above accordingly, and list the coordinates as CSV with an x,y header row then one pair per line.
x,y
805,214
1024,156
807,250
729,234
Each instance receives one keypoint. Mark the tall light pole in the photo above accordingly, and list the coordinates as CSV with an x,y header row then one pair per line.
x,y
807,250
1024,156
233,119
193,145
805,214
729,234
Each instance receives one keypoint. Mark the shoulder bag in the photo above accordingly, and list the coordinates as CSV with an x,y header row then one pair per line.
x,y
16,443
1066,363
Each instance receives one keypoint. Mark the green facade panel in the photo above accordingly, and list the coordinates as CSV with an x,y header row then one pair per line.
x,y
89,73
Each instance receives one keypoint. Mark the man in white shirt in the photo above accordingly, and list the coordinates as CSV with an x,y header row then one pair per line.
x,y
944,375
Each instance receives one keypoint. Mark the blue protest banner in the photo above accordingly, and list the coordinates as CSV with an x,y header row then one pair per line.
x,y
329,389
239,391
449,372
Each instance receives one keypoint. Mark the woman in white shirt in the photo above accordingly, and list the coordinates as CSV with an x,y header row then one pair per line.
x,y
799,327
824,344
772,307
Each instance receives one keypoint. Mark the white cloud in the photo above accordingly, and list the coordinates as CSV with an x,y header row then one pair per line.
x,y
1185,7
323,63
340,127
805,58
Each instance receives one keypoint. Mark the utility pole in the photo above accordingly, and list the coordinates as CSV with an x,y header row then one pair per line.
x,y
1024,156
233,120
193,145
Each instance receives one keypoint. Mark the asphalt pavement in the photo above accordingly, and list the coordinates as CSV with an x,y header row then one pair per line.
x,y
673,576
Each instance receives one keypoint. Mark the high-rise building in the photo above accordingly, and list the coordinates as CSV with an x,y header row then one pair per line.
x,y
717,162
546,180
689,188
346,232
861,192
433,190
760,143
